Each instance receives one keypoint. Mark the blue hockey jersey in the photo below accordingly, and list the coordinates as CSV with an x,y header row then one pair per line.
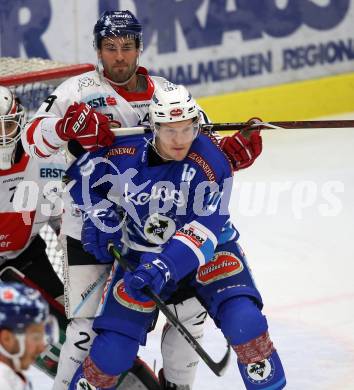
x,y
179,208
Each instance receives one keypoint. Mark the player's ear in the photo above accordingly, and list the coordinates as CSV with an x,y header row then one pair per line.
x,y
7,339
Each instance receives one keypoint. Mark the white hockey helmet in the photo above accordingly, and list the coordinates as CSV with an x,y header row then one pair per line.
x,y
12,119
172,103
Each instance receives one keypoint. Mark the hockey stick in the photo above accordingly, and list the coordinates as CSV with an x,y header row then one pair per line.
x,y
218,368
329,124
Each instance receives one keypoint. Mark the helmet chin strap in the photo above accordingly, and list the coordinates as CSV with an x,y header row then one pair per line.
x,y
15,357
100,70
153,144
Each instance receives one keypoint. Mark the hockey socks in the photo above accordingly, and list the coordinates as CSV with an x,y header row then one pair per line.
x,y
246,328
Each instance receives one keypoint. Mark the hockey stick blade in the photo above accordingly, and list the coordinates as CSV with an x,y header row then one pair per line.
x,y
218,368
280,125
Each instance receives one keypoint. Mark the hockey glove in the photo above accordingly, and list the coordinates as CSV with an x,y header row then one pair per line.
x,y
153,272
241,148
85,125
97,233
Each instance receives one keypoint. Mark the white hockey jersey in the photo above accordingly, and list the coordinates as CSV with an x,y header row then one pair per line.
x,y
126,108
30,193
129,109
10,380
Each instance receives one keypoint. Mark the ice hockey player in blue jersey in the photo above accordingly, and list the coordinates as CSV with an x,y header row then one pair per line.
x,y
163,200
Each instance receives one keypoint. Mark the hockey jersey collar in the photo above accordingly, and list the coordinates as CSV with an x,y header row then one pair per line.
x,y
136,96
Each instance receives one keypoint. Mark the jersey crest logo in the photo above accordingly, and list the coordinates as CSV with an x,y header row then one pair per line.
x,y
82,384
261,372
158,228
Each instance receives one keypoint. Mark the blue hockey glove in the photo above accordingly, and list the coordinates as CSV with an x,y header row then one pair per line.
x,y
153,272
97,232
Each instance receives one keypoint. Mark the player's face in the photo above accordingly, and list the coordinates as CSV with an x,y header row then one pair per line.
x,y
35,344
119,57
8,128
174,139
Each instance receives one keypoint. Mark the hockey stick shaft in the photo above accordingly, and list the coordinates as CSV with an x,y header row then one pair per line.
x,y
329,124
217,367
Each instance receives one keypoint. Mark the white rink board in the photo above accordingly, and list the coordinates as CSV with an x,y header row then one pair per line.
x,y
301,259
211,46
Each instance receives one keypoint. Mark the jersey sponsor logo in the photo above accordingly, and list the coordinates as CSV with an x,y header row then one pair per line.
x,y
126,300
16,228
102,101
53,173
111,101
193,234
176,112
12,179
260,372
203,164
224,265
121,151
158,192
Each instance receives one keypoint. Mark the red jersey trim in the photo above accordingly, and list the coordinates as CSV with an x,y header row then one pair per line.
x,y
18,167
30,131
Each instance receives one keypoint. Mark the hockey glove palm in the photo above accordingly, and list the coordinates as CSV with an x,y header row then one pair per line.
x,y
153,272
241,149
85,125
97,232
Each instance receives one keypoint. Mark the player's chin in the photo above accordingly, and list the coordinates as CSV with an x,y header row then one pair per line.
x,y
25,364
180,155
120,75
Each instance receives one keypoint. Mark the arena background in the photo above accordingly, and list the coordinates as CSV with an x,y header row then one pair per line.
x,y
279,60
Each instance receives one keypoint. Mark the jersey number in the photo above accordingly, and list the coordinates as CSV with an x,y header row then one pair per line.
x,y
50,100
84,340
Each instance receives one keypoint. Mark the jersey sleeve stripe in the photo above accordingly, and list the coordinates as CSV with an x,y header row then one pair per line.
x,y
31,130
196,251
211,236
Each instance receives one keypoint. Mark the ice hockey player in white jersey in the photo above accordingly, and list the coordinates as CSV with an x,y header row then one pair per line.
x,y
26,328
77,116
30,193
